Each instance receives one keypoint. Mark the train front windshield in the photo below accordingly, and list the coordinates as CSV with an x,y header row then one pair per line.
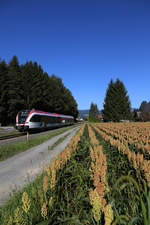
x,y
23,116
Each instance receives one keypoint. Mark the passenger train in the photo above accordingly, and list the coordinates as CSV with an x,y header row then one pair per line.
x,y
27,120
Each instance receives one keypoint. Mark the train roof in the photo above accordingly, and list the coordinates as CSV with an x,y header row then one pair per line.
x,y
47,113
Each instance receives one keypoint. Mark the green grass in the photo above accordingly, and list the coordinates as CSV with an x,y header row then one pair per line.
x,y
9,150
60,140
16,201
8,133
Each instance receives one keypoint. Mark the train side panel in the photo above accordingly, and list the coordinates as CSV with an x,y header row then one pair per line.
x,y
33,120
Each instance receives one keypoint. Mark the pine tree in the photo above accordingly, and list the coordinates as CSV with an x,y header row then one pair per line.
x,y
135,116
37,89
109,111
61,100
28,81
15,92
93,113
117,104
143,105
70,104
35,86
46,95
55,94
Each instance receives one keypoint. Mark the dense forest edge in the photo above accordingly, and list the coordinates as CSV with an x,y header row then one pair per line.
x,y
27,86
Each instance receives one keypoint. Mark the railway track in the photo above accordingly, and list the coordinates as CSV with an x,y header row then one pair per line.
x,y
33,134
7,137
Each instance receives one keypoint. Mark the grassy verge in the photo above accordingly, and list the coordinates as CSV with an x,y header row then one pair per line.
x,y
4,133
33,189
9,150
60,140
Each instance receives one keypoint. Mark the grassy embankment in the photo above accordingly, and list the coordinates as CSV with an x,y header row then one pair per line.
x,y
4,133
8,150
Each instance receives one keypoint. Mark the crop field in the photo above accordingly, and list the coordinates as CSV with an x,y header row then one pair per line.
x,y
101,178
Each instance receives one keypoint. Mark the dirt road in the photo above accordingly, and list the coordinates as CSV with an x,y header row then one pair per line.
x,y
16,171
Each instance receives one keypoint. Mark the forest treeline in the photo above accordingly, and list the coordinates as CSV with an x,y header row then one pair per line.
x,y
27,86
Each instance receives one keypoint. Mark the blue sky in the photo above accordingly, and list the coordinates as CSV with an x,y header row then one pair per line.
x,y
85,42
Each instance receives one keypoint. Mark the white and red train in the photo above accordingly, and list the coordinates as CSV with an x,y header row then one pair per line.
x,y
39,120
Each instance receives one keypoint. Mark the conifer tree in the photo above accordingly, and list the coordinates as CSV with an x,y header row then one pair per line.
x,y
116,103
70,104
15,93
35,86
61,100
57,93
37,99
143,105
27,78
93,113
46,95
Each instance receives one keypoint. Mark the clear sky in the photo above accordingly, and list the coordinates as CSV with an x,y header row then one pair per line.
x,y
85,42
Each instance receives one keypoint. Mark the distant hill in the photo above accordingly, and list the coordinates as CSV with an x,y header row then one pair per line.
x,y
84,113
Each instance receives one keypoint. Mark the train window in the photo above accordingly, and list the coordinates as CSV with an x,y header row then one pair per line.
x,y
54,120
48,119
51,120
23,115
58,119
36,118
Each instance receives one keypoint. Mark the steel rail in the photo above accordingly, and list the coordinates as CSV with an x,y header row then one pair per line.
x,y
10,136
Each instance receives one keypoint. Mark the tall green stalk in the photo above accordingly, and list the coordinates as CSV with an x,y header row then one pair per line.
x,y
143,196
